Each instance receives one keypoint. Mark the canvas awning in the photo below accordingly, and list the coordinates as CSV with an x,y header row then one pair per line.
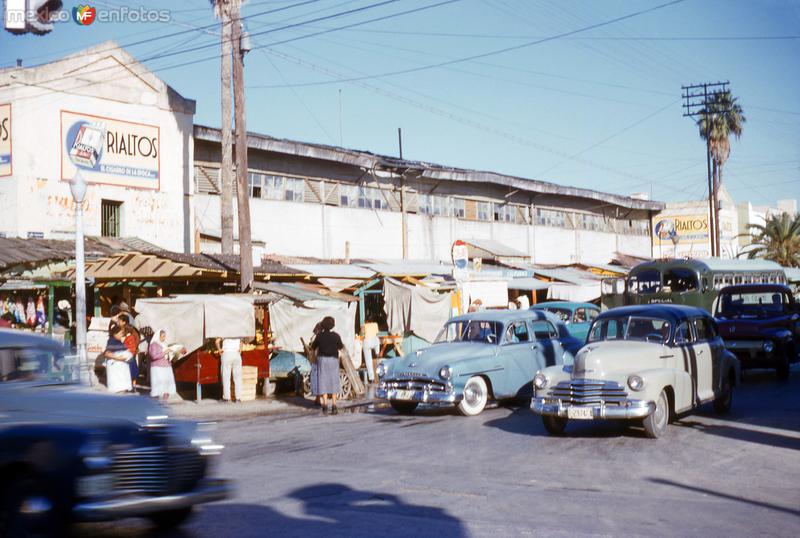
x,y
190,319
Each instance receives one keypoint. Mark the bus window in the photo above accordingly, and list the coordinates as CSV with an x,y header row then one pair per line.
x,y
718,282
647,281
680,280
737,279
728,280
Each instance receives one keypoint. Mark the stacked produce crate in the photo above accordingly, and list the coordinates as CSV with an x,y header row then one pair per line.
x,y
249,382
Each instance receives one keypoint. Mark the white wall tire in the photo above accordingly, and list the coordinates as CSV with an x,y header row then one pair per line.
x,y
655,425
476,394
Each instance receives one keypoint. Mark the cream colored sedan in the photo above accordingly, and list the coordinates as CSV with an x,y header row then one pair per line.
x,y
645,363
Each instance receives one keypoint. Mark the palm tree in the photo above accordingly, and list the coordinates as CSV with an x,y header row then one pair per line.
x,y
721,118
222,11
778,239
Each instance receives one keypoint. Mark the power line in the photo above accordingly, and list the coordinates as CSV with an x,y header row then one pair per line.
x,y
505,49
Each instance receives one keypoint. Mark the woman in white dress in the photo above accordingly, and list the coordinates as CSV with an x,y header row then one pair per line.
x,y
162,378
118,372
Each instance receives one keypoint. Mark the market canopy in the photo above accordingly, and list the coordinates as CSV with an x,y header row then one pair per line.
x,y
190,319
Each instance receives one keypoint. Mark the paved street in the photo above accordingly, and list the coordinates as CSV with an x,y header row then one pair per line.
x,y
375,473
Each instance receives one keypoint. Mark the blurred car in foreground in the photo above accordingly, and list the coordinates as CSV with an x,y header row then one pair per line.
x,y
70,454
477,356
646,362
760,324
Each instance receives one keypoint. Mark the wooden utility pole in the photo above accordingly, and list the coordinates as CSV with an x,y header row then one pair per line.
x,y
403,218
226,170
696,100
242,194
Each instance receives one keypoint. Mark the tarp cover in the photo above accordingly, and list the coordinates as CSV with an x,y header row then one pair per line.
x,y
291,320
189,319
415,309
585,293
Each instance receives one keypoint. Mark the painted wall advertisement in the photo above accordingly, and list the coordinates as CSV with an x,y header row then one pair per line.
x,y
5,140
674,230
110,151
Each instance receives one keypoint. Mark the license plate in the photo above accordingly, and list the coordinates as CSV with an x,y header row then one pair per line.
x,y
404,395
580,413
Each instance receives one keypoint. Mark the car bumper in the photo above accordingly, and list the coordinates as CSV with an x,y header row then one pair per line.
x,y
104,510
419,396
752,355
630,409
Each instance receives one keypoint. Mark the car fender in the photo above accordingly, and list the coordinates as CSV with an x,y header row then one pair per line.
x,y
657,379
555,375
729,362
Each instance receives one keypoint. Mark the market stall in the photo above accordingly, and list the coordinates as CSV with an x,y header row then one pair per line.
x,y
195,321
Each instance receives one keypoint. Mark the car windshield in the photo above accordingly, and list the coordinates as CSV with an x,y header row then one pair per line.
x,y
641,328
27,364
758,304
473,330
564,314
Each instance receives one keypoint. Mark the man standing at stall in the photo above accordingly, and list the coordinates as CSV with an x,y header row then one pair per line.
x,y
230,350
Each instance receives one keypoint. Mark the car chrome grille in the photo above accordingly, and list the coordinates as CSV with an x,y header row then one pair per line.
x,y
589,392
417,384
157,470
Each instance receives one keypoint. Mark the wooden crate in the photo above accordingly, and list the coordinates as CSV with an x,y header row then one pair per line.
x,y
249,382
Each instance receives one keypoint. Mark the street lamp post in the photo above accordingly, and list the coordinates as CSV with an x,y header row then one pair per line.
x,y
78,188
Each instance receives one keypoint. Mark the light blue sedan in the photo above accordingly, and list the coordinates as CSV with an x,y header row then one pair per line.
x,y
477,356
577,316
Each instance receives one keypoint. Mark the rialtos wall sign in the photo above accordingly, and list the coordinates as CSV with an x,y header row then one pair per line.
x,y
5,140
110,151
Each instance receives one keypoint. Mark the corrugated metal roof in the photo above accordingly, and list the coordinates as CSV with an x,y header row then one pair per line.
x,y
17,251
333,270
494,248
434,171
527,284
408,268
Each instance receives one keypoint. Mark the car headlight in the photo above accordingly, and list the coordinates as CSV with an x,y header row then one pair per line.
x,y
635,382
381,370
96,452
540,381
768,347
446,372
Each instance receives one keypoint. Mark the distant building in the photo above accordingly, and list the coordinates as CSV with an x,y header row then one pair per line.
x,y
53,119
757,215
324,201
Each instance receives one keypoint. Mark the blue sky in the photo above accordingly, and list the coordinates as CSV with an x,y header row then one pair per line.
x,y
599,109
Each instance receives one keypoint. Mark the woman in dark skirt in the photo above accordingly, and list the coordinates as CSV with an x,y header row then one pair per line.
x,y
327,345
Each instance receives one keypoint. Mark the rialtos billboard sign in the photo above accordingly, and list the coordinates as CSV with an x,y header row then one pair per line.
x,y
5,140
110,151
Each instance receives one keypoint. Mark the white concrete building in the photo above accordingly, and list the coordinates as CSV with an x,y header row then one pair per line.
x,y
140,173
750,215
330,202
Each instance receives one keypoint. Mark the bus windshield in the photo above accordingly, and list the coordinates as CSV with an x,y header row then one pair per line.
x,y
645,281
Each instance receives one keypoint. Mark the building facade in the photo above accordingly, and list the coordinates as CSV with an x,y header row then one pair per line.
x,y
129,134
329,202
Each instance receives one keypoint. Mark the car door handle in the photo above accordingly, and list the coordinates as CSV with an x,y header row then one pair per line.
x,y
700,352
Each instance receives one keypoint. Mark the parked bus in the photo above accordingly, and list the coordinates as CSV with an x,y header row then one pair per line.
x,y
694,282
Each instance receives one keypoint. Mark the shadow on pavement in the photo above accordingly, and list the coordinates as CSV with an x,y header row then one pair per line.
x,y
721,495
522,421
330,510
741,432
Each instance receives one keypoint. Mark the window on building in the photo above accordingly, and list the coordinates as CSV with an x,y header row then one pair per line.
x,y
294,189
430,204
484,211
551,217
371,198
255,183
348,195
591,222
111,213
459,207
505,212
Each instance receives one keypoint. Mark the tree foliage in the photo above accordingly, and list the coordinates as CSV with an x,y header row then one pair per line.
x,y
778,239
